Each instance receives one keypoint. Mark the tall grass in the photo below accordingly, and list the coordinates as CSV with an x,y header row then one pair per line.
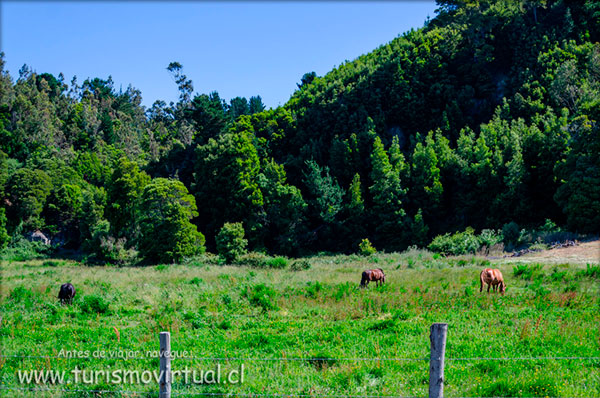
x,y
215,310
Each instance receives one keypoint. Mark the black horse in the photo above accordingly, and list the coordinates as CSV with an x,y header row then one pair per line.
x,y
66,293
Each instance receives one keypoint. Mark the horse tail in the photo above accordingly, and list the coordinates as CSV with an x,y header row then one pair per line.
x,y
481,281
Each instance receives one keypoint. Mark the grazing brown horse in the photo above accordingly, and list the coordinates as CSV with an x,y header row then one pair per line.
x,y
370,275
493,278
66,293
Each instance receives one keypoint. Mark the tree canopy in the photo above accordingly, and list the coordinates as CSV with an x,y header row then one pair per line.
x,y
486,115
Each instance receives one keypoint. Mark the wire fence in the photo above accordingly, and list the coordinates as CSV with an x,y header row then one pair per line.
x,y
223,394
213,394
310,359
313,358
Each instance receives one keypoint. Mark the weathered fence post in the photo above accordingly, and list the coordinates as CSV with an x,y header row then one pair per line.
x,y
436,360
165,365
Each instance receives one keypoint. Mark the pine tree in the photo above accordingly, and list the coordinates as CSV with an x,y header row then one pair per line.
x,y
387,193
418,230
427,188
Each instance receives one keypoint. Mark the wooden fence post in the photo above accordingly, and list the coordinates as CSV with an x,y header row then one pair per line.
x,y
165,365
436,360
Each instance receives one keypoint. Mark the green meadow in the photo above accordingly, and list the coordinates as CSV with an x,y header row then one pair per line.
x,y
338,339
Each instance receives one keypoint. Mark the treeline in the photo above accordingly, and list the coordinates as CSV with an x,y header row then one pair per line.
x,y
484,117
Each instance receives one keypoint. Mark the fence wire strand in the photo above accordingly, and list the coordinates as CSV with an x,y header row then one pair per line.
x,y
308,359
216,394
523,358
74,391
224,394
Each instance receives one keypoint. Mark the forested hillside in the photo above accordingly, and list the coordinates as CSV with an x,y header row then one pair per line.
x,y
485,116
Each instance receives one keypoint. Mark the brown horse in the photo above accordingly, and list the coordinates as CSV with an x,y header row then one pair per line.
x,y
370,275
493,278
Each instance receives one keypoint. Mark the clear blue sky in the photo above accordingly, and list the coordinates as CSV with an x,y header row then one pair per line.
x,y
237,48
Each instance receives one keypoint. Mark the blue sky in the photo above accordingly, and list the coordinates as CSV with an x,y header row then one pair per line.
x,y
239,48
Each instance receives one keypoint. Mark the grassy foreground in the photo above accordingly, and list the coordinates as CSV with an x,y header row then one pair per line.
x,y
226,311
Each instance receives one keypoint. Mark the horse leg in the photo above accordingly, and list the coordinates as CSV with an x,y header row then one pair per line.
x,y
489,287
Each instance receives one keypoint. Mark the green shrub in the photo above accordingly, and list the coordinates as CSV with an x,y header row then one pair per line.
x,y
300,265
365,248
525,271
591,271
344,290
261,260
20,294
207,259
470,243
230,242
103,247
539,288
489,238
261,296
510,233
456,244
558,276
93,304
549,226
277,262
226,299
23,250
313,289
520,269
253,259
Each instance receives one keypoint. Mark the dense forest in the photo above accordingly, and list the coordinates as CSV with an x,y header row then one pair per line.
x,y
486,115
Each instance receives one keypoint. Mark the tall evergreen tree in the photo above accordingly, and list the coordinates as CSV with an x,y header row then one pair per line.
x,y
388,194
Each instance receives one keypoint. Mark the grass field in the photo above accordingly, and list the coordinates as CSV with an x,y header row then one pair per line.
x,y
549,310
